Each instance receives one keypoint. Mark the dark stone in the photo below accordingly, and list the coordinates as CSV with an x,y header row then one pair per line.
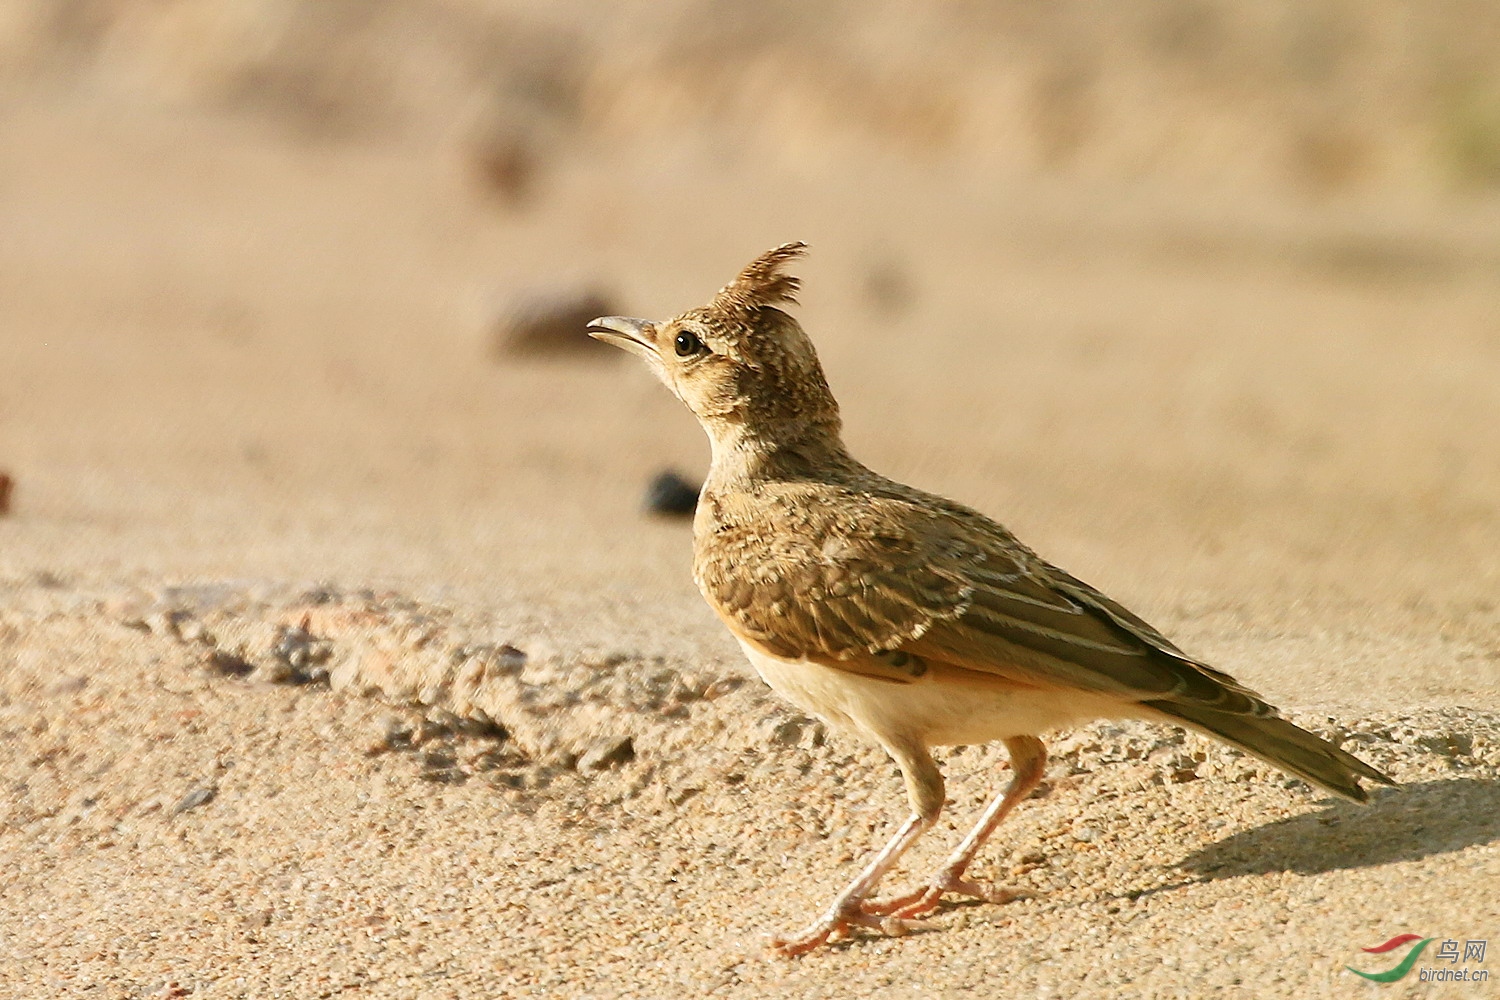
x,y
670,495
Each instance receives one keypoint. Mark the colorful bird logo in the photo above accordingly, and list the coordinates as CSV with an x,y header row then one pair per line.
x,y
1401,969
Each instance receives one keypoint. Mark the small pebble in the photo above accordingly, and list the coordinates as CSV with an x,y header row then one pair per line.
x,y
7,489
721,687
397,733
670,495
201,795
788,733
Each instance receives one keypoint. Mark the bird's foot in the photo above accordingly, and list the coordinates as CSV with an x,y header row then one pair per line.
x,y
917,904
837,923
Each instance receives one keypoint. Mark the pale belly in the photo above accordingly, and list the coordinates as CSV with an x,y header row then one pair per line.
x,y
943,707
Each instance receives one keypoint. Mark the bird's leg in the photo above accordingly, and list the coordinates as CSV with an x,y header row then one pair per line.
x,y
846,909
1028,759
924,787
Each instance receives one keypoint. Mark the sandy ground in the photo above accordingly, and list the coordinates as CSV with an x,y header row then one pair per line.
x,y
258,437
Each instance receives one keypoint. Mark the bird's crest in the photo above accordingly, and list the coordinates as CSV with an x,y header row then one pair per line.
x,y
761,283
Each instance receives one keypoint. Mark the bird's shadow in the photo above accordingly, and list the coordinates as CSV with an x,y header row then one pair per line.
x,y
1407,823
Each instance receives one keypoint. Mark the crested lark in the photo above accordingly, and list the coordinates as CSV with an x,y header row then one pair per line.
x,y
902,616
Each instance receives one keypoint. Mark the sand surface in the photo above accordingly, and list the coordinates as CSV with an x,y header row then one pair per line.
x,y
337,657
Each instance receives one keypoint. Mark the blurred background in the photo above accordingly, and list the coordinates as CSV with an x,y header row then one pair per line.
x,y
1199,296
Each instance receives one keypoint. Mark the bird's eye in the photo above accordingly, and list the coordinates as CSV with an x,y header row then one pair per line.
x,y
687,343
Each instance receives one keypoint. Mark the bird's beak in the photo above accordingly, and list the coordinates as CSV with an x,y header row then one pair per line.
x,y
635,335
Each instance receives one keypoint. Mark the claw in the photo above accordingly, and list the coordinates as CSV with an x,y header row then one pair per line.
x,y
915,905
801,944
894,915
925,903
837,923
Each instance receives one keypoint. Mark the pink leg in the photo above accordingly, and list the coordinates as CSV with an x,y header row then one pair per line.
x,y
924,787
846,909
1028,759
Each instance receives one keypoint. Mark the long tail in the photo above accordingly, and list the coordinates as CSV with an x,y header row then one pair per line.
x,y
1276,741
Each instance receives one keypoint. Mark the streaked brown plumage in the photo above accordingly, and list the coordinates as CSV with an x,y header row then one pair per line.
x,y
901,615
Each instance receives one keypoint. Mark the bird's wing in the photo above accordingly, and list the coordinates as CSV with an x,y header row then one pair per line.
x,y
879,585
1030,620
893,575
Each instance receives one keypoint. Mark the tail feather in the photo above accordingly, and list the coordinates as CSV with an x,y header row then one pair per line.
x,y
1278,742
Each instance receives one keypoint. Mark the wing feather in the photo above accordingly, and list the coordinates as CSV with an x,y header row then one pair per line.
x,y
880,580
839,578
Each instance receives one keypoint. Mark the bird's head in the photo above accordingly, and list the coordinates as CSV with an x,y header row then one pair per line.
x,y
742,365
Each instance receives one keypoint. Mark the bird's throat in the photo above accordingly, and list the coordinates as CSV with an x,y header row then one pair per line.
x,y
795,449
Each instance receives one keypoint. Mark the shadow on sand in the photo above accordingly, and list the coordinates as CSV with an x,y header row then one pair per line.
x,y
1400,824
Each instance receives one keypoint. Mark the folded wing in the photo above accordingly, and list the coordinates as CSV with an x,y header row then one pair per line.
x,y
942,582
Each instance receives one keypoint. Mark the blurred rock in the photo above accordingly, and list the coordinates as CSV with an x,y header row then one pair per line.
x,y
721,687
670,495
888,288
396,733
198,796
507,166
551,323
297,657
7,487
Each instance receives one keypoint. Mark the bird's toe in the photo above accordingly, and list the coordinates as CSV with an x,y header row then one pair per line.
x,y
919,904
